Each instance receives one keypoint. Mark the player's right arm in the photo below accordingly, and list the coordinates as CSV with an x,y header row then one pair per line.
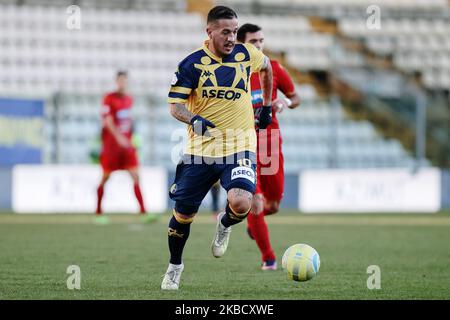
x,y
180,112
108,124
199,124
182,85
286,85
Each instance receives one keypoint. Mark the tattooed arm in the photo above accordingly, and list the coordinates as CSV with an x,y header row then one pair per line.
x,y
199,125
180,112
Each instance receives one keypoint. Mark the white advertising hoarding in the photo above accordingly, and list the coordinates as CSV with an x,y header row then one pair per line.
x,y
370,190
68,188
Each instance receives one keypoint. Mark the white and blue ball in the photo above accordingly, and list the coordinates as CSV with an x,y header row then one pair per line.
x,y
301,262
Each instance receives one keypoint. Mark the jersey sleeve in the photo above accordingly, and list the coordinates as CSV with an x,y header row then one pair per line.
x,y
285,83
181,85
106,106
256,57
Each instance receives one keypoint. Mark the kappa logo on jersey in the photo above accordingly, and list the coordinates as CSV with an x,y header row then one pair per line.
x,y
206,73
243,172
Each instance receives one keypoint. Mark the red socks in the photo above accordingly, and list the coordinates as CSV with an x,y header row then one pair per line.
x,y
99,200
137,192
260,232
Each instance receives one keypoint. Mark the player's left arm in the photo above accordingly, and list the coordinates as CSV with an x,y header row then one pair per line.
x,y
261,63
286,85
266,78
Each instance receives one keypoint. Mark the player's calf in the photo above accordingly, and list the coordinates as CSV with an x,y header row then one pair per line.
x,y
178,233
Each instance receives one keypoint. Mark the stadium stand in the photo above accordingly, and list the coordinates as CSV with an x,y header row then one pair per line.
x,y
71,69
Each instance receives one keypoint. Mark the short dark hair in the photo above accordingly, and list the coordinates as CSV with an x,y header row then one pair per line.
x,y
244,29
220,12
121,73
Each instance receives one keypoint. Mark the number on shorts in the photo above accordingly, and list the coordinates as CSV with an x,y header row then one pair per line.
x,y
245,163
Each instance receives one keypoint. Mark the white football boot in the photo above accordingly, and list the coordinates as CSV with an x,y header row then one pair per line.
x,y
221,238
172,277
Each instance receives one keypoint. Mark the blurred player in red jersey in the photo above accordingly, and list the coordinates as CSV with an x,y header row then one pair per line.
x,y
118,152
270,174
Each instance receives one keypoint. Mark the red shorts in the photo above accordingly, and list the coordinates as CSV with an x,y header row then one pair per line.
x,y
271,185
116,158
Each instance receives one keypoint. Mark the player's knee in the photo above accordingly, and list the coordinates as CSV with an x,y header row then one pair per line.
x,y
184,213
179,225
239,200
240,206
272,207
257,204
183,218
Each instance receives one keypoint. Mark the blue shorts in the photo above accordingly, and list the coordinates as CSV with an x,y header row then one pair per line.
x,y
196,175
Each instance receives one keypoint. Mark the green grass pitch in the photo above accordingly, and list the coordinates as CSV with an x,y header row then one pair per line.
x,y
127,259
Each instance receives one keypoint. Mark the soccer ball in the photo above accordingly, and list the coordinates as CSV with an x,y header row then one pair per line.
x,y
301,262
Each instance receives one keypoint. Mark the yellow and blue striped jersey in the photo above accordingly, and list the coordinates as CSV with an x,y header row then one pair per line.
x,y
218,89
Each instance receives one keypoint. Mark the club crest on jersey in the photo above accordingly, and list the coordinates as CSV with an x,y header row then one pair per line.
x,y
243,172
174,79
173,188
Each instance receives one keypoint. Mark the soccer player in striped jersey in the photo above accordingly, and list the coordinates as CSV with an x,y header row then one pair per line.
x,y
210,92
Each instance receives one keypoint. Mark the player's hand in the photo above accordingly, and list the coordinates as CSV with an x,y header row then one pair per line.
x,y
280,104
200,125
264,116
123,141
